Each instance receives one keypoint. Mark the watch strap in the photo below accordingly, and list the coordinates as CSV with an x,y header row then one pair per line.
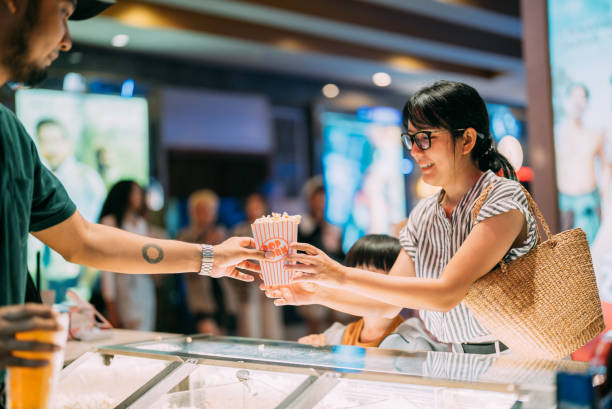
x,y
207,260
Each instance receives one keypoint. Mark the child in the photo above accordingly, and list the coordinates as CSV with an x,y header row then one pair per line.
x,y
377,253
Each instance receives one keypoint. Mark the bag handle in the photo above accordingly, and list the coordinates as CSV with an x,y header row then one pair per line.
x,y
533,208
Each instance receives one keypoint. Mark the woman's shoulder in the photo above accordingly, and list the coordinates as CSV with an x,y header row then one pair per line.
x,y
504,188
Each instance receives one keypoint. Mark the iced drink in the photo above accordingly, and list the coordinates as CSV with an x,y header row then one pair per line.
x,y
273,234
30,388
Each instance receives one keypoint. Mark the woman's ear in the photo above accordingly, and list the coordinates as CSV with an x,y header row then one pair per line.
x,y
470,136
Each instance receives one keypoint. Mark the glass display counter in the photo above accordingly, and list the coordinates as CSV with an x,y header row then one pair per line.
x,y
227,372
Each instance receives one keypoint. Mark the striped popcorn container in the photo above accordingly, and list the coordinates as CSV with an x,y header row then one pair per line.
x,y
273,235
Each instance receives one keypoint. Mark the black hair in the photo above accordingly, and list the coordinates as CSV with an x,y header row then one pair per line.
x,y
456,106
117,200
45,122
374,250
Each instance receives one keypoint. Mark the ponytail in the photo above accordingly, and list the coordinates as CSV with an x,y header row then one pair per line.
x,y
487,157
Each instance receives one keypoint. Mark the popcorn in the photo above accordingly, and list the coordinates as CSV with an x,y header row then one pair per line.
x,y
277,217
273,234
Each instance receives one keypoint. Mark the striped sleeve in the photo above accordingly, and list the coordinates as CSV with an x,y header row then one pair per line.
x,y
504,197
408,234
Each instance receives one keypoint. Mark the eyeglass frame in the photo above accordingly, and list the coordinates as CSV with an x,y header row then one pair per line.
x,y
411,137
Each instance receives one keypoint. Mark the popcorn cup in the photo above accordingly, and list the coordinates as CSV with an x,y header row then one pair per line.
x,y
273,236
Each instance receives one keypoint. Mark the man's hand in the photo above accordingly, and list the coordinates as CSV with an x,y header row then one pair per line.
x,y
233,254
293,294
19,318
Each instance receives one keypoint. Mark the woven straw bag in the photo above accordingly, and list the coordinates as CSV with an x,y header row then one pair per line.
x,y
544,304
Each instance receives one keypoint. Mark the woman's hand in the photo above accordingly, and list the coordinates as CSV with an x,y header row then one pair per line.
x,y
293,294
315,267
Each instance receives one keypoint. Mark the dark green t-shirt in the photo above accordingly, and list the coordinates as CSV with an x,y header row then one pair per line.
x,y
31,199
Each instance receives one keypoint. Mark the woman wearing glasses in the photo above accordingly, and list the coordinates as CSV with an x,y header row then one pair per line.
x,y
445,251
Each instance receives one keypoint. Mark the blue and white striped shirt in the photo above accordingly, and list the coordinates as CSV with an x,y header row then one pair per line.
x,y
431,239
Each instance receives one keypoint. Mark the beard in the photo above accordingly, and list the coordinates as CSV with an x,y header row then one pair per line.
x,y
17,56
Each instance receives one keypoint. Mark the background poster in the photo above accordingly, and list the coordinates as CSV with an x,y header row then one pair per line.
x,y
89,141
581,67
362,168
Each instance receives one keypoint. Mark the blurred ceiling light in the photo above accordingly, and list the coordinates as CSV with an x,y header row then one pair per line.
x,y
407,166
330,90
381,79
155,196
291,44
407,63
120,40
74,82
141,16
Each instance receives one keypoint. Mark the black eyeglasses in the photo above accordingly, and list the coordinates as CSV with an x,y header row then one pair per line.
x,y
422,139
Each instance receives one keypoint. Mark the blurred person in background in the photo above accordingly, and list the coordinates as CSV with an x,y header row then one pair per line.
x,y
213,303
83,183
314,229
129,298
84,186
577,147
258,318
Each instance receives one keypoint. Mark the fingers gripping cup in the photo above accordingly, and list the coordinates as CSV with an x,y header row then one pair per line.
x,y
31,388
273,234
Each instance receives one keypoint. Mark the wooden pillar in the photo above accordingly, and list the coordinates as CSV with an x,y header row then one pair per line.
x,y
536,54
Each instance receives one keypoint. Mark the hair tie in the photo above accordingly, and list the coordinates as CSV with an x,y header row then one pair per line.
x,y
488,151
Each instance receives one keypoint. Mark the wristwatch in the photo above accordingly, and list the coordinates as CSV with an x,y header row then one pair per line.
x,y
207,260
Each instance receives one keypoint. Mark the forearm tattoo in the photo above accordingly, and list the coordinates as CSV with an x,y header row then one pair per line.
x,y
152,253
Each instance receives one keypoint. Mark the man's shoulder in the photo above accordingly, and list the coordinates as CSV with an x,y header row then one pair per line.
x,y
7,117
4,109
14,139
11,126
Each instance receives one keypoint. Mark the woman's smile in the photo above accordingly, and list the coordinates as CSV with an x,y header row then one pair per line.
x,y
425,166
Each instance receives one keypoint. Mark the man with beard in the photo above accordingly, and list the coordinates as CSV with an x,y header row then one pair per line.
x,y
32,200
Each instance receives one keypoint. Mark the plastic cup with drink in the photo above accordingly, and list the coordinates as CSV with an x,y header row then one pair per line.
x,y
31,388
